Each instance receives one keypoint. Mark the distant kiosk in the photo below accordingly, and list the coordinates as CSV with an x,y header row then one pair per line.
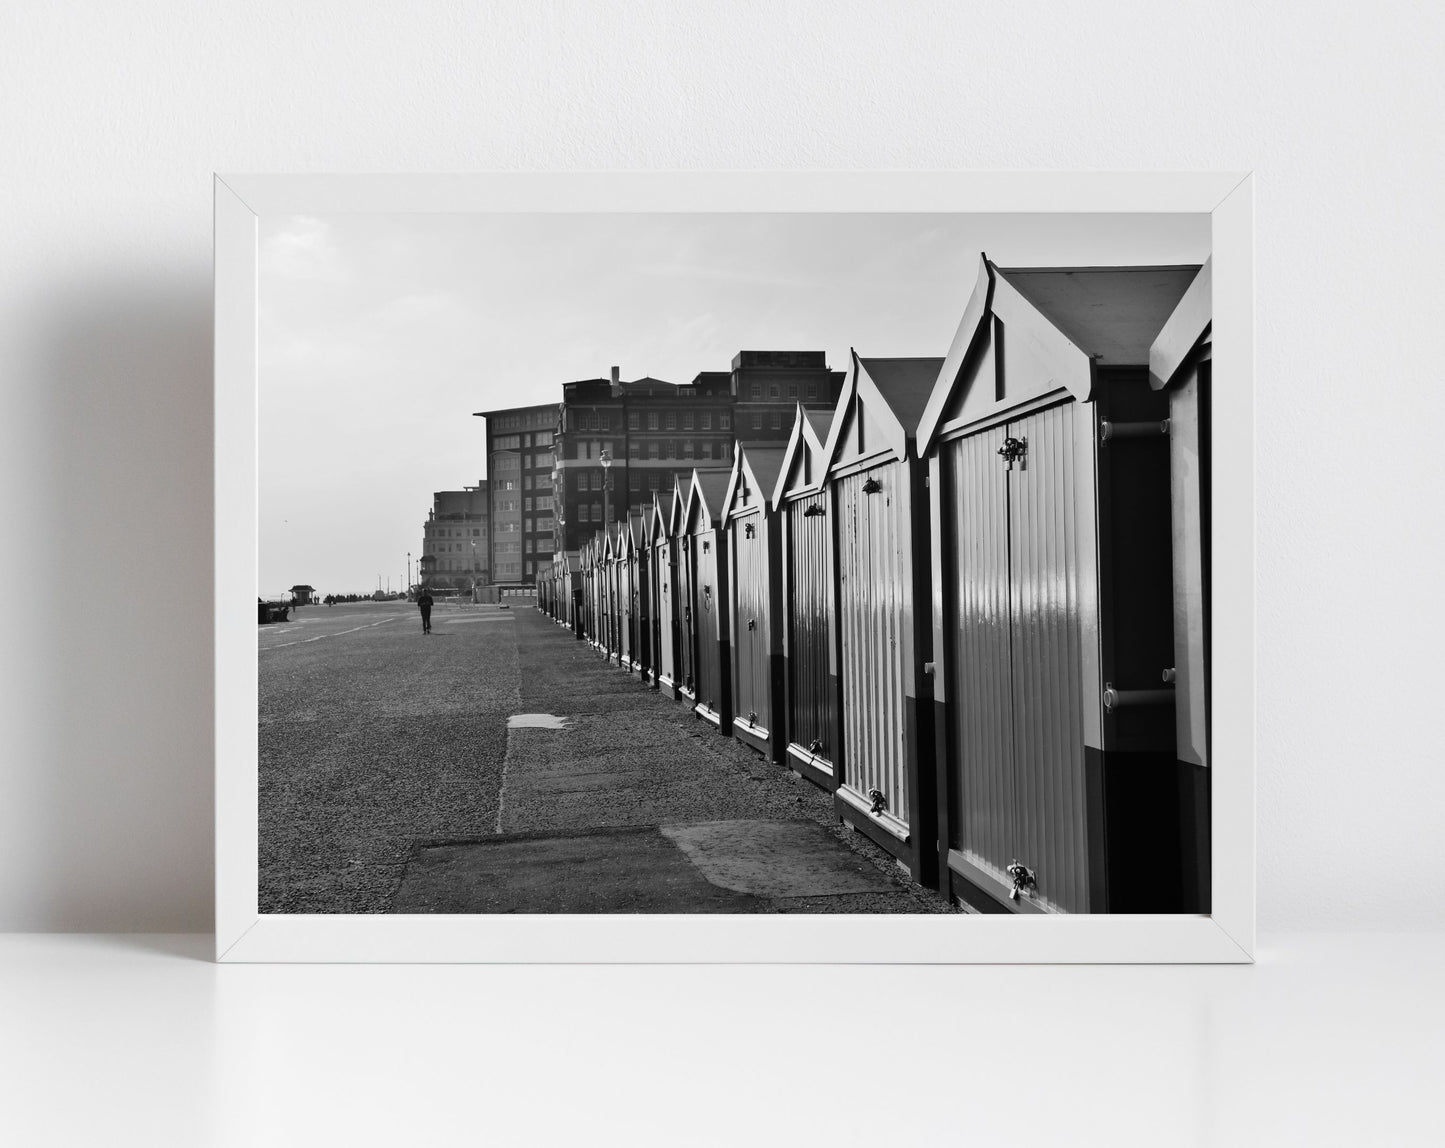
x,y
303,595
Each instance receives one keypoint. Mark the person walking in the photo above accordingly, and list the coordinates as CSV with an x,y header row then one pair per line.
x,y
424,603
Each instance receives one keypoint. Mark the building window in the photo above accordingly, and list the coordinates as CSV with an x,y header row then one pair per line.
x,y
543,459
652,450
528,546
707,420
544,502
687,448
724,420
543,438
634,450
634,421
526,482
812,390
671,422
777,421
596,481
506,442
775,391
792,390
757,390
654,481
634,480
651,420
757,422
687,421
526,504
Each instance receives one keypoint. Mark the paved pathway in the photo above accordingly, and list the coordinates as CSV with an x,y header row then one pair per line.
x,y
501,766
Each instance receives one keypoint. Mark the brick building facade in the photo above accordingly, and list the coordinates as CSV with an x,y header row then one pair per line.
x,y
650,430
454,539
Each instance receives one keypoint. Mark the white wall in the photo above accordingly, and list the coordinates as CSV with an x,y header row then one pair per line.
x,y
113,115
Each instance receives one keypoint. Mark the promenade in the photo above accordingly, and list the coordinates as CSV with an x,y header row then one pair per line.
x,y
499,765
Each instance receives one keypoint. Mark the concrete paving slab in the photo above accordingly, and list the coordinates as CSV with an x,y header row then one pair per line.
x,y
536,721
631,870
776,859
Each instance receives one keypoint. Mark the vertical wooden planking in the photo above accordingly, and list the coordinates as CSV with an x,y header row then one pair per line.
x,y
1050,796
810,582
873,608
751,624
708,667
982,710
687,616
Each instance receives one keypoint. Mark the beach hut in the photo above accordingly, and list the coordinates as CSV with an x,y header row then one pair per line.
x,y
1181,365
706,556
685,651
584,606
1054,678
876,492
611,591
634,579
573,591
810,673
755,607
664,577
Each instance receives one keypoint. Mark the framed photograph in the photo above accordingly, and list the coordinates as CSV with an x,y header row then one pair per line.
x,y
718,567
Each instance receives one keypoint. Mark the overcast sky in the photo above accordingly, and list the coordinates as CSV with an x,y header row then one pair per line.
x,y
380,335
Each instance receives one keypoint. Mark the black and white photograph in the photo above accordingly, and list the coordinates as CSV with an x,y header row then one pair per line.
x,y
734,563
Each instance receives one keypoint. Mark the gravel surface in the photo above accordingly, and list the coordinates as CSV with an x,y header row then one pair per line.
x,y
376,739
373,739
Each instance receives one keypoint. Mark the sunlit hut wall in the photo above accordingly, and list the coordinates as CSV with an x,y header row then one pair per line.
x,y
666,514
652,591
610,541
755,608
628,605
877,496
683,582
638,624
810,672
705,550
1054,701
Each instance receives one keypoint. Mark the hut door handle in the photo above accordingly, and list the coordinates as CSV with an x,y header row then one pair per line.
x,y
877,802
1013,450
752,623
1023,879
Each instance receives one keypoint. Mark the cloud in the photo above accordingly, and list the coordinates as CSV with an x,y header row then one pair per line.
x,y
302,250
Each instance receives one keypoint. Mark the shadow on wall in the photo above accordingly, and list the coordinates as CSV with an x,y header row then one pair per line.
x,y
119,821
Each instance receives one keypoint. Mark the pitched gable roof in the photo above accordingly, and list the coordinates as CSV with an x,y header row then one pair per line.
x,y
763,464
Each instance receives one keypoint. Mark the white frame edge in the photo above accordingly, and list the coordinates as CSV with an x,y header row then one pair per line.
x,y
1227,935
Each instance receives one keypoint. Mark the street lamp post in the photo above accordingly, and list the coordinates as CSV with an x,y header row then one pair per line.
x,y
408,573
474,573
606,460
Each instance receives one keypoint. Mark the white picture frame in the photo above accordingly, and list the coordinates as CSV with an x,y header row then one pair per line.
x,y
243,934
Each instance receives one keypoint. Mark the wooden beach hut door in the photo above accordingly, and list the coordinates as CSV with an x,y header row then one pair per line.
x,y
1017,760
686,620
875,608
753,588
